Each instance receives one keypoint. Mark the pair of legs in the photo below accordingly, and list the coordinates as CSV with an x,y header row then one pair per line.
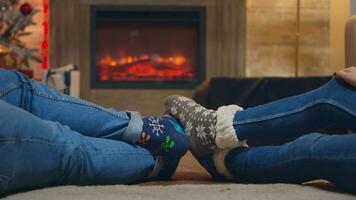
x,y
303,154
309,154
48,138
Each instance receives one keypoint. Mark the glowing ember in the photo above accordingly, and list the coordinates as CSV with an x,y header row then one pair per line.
x,y
144,67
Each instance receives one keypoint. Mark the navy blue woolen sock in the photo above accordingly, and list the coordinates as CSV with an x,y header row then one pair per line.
x,y
163,136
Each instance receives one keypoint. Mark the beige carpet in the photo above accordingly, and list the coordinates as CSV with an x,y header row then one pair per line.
x,y
185,192
190,182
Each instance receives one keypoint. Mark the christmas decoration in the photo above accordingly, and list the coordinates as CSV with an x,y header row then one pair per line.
x,y
14,19
26,9
45,25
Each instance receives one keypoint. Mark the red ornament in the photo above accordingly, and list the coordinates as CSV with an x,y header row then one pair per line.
x,y
26,9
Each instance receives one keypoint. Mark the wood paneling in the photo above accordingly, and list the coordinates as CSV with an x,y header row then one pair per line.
x,y
70,44
244,37
271,38
314,55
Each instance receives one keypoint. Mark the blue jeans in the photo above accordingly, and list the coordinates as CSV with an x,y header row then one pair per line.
x,y
308,154
48,138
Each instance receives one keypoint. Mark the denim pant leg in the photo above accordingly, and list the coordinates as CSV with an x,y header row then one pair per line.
x,y
289,118
82,116
37,153
310,157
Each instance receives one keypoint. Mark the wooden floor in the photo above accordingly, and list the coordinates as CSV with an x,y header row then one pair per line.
x,y
189,171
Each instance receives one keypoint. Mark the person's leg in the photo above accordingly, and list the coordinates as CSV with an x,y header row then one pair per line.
x,y
282,120
161,135
38,153
289,118
310,157
285,120
82,116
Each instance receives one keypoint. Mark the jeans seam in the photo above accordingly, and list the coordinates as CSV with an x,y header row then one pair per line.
x,y
298,110
79,102
56,144
34,139
6,181
272,140
6,178
3,92
14,86
292,160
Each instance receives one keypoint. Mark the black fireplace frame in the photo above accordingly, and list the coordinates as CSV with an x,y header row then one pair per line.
x,y
195,14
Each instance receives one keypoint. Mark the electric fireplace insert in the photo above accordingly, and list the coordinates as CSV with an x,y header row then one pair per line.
x,y
147,47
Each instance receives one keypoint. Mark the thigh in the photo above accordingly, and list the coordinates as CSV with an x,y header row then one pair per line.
x,y
312,156
11,88
38,153
287,119
85,117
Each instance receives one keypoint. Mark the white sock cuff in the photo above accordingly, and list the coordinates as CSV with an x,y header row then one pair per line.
x,y
219,163
226,137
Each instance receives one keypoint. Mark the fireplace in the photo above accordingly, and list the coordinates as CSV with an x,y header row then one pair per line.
x,y
147,47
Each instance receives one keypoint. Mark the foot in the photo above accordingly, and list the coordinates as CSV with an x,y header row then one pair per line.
x,y
163,136
199,123
208,131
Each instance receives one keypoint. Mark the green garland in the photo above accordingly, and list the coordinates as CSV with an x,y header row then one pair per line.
x,y
13,21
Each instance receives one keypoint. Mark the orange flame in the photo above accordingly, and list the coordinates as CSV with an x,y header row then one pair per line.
x,y
108,60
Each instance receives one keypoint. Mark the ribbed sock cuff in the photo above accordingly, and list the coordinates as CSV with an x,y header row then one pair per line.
x,y
219,162
226,137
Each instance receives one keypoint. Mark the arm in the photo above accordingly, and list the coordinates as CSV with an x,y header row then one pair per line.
x,y
348,74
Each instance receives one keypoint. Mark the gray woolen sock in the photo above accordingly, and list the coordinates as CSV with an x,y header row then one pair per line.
x,y
199,123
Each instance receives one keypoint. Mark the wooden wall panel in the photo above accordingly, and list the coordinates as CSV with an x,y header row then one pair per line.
x,y
244,37
270,41
70,44
314,56
271,38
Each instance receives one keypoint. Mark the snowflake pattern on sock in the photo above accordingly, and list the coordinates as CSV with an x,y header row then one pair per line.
x,y
174,110
182,117
200,132
163,136
188,128
156,125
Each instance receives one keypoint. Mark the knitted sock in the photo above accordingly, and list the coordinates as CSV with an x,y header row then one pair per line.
x,y
207,130
199,123
163,136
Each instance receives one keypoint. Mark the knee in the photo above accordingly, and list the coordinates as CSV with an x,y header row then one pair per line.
x,y
8,74
304,145
328,88
334,85
9,80
336,90
13,120
309,139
